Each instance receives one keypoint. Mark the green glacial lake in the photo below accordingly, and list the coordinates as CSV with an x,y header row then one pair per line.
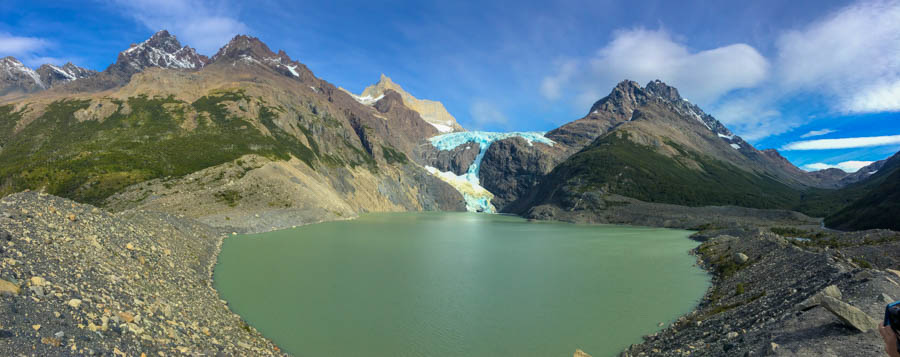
x,y
458,284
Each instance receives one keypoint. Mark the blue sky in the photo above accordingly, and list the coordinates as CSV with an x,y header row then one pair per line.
x,y
775,72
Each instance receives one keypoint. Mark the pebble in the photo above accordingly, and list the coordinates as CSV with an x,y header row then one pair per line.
x,y
75,303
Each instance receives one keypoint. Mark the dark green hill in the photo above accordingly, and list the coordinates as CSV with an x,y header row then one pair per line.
x,y
874,203
614,164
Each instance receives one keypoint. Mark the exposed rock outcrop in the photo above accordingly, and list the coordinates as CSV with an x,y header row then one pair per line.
x,y
512,167
458,160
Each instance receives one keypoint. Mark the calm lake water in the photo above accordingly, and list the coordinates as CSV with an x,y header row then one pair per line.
x,y
458,284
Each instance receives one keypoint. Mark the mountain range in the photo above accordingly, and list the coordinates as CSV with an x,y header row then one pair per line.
x,y
252,133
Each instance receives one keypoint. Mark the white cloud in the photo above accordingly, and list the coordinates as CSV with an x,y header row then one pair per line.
x,y
485,114
846,166
644,55
203,24
552,86
852,56
752,117
844,143
817,133
20,46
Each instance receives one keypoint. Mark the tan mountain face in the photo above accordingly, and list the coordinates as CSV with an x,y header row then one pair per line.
x,y
167,123
431,111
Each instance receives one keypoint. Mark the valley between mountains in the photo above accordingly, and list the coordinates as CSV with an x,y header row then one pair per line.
x,y
119,186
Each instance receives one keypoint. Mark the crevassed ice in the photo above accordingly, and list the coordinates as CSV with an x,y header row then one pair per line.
x,y
478,199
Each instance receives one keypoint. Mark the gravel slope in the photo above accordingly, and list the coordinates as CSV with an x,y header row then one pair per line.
x,y
94,283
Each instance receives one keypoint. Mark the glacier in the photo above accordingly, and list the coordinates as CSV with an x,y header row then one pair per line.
x,y
478,199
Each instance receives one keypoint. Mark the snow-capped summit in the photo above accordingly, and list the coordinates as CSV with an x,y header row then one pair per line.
x,y
16,77
160,50
51,75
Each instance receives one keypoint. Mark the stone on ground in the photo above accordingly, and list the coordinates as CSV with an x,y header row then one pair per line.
x,y
741,258
7,288
816,300
580,353
849,314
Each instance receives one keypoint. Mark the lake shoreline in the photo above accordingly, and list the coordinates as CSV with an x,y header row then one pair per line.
x,y
780,274
247,255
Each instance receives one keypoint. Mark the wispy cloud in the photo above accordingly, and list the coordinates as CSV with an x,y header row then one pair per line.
x,y
18,46
644,55
27,49
846,166
552,86
817,133
852,56
204,24
844,143
485,114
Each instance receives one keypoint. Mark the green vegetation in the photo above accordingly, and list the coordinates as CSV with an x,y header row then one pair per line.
x,y
797,233
615,164
862,263
90,160
878,208
739,290
229,197
393,156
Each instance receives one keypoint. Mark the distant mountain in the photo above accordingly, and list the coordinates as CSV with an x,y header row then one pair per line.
x,y
161,50
874,202
167,113
52,75
16,77
650,144
431,111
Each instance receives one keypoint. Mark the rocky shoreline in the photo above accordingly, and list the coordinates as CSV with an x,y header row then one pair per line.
x,y
76,280
768,296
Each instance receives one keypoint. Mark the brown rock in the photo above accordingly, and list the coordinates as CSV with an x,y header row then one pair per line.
x,y
125,316
7,288
38,281
71,217
580,353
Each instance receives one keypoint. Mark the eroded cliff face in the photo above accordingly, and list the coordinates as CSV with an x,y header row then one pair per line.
x,y
511,168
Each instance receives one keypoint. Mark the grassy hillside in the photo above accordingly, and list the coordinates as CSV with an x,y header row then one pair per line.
x,y
93,159
879,208
873,203
615,164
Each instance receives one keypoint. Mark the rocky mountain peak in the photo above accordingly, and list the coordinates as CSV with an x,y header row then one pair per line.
x,y
663,90
251,51
164,40
433,112
52,75
160,50
243,46
15,76
624,97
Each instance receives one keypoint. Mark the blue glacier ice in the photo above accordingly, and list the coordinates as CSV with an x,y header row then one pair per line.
x,y
484,139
